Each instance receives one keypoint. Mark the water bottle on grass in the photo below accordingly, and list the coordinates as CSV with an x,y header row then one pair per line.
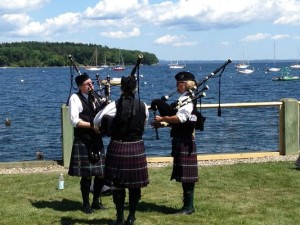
x,y
61,182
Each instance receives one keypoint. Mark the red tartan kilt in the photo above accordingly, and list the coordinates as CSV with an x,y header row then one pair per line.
x,y
126,164
185,164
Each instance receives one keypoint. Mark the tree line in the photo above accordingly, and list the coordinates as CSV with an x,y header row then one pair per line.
x,y
44,54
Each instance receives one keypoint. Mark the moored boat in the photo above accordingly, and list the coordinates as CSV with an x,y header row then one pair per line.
x,y
94,61
286,76
120,66
112,81
295,66
246,71
241,66
273,69
176,66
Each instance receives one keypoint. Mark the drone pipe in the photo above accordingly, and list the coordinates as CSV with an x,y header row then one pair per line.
x,y
74,65
166,97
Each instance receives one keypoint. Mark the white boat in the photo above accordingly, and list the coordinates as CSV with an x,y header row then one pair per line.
x,y
93,65
296,65
120,66
113,81
176,65
246,71
241,66
274,68
104,65
93,68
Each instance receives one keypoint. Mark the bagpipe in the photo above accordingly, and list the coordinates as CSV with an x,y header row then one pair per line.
x,y
198,93
104,91
92,138
135,72
107,120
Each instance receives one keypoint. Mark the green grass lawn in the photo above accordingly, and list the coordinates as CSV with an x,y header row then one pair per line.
x,y
252,194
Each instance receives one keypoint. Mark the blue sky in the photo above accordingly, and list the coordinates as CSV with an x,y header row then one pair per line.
x,y
196,29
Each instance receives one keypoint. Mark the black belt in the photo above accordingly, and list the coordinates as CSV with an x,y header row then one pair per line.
x,y
127,139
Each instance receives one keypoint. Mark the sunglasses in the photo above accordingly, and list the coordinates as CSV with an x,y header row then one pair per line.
x,y
88,84
179,82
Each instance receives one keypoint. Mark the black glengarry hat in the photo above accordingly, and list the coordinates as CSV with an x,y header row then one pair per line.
x,y
184,76
81,78
128,83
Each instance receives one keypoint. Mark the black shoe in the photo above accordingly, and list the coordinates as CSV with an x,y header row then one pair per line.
x,y
185,211
87,209
130,221
97,205
118,223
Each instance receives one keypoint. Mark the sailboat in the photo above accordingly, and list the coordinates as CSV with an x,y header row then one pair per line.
x,y
93,66
274,69
120,66
296,65
242,65
176,65
104,65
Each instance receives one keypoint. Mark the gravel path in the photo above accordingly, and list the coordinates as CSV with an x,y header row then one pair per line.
x,y
59,168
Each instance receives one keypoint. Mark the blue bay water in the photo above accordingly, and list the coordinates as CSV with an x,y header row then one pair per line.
x,y
32,98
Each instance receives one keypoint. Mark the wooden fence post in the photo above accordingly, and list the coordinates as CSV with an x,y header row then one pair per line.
x,y
289,127
67,135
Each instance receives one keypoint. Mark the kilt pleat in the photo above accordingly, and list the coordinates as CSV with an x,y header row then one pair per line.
x,y
126,164
185,164
80,164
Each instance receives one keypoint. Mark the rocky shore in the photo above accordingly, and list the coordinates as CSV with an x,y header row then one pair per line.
x,y
56,167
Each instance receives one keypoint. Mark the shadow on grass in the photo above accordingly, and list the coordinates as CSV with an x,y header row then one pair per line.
x,y
71,221
63,205
152,207
69,205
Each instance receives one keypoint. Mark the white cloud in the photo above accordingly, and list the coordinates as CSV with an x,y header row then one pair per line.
x,y
289,14
21,5
11,22
256,37
174,40
121,34
226,43
110,9
61,23
291,19
124,19
192,15
182,44
168,39
280,36
263,36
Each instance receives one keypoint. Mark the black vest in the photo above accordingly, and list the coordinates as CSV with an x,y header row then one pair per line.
x,y
88,114
183,130
128,124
